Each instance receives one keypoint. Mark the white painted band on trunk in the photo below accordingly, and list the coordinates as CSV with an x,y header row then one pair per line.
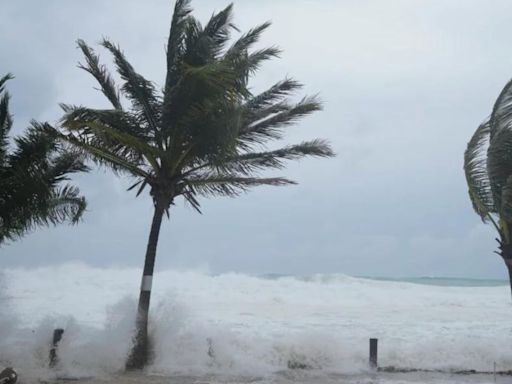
x,y
147,281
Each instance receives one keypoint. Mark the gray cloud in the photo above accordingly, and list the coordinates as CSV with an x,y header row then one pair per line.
x,y
404,85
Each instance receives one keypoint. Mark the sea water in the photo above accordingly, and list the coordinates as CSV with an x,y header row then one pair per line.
x,y
233,324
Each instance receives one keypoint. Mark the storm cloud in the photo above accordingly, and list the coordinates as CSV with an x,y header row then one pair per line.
x,y
404,85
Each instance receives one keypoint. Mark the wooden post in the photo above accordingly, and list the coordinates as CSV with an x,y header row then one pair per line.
x,y
57,336
373,353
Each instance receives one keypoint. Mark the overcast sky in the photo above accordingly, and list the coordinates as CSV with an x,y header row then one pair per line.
x,y
404,83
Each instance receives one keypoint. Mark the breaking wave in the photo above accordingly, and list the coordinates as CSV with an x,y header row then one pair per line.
x,y
245,325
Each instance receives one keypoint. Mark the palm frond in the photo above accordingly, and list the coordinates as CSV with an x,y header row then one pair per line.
x,y
271,127
60,206
141,184
217,29
122,120
32,148
66,163
5,116
216,76
506,201
247,40
100,73
66,204
125,140
501,116
251,162
499,162
211,125
5,123
103,156
247,64
254,60
5,79
140,91
214,184
199,89
197,47
273,95
80,121
30,192
175,47
475,168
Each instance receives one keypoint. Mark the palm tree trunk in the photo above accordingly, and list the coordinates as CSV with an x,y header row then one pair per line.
x,y
140,352
506,254
509,267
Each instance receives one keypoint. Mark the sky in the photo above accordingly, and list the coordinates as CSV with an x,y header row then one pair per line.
x,y
404,85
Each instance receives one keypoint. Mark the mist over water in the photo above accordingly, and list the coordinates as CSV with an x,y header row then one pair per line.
x,y
245,325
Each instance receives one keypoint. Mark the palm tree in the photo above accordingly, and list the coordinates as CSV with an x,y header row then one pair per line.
x,y
488,168
205,134
31,177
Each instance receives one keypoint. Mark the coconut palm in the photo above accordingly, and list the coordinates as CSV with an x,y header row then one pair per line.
x,y
32,174
488,168
204,134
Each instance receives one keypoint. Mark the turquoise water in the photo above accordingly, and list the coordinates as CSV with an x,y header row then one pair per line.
x,y
445,281
436,281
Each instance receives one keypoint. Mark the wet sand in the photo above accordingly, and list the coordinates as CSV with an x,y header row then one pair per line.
x,y
288,377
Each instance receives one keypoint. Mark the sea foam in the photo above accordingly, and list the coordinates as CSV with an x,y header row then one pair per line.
x,y
245,325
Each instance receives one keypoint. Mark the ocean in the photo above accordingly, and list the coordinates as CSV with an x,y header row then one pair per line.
x,y
235,327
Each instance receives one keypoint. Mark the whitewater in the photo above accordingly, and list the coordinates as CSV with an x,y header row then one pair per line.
x,y
248,327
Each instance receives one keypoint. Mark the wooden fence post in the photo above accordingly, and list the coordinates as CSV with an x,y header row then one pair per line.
x,y
57,336
373,353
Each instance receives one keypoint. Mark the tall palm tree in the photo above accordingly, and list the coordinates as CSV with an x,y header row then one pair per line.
x,y
488,168
204,134
31,177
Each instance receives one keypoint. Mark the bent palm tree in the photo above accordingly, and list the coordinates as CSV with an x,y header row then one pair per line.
x,y
204,135
31,177
488,168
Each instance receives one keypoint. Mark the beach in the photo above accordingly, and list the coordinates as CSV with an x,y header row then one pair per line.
x,y
293,377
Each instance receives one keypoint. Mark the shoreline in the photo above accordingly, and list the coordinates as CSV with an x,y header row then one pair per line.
x,y
288,377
